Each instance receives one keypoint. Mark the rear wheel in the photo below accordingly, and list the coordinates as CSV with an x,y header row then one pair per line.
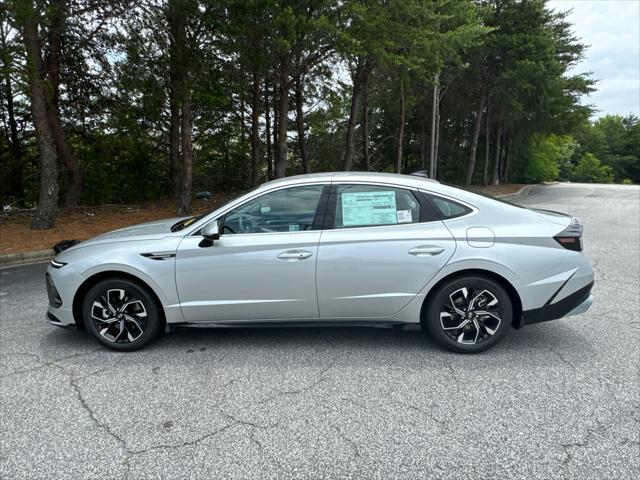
x,y
468,314
121,314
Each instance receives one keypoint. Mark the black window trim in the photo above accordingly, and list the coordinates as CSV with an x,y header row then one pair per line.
x,y
428,213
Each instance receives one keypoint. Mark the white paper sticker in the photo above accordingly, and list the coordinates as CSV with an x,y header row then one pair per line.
x,y
368,208
404,216
294,227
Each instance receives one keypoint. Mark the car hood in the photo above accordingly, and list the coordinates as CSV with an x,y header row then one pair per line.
x,y
144,231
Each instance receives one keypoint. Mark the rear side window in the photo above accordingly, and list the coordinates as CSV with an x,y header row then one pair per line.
x,y
448,208
373,205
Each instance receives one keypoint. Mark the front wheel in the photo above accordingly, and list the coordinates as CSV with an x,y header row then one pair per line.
x,y
468,314
121,314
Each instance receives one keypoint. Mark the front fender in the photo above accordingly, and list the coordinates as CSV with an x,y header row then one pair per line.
x,y
158,275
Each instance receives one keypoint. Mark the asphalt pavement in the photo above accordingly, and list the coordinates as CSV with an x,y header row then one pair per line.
x,y
554,400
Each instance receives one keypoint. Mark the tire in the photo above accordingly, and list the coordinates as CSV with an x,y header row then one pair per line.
x,y
468,314
122,314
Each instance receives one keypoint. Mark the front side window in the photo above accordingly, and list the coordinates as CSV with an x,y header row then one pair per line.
x,y
288,210
373,205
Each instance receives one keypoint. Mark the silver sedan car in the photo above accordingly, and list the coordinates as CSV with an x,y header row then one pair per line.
x,y
368,249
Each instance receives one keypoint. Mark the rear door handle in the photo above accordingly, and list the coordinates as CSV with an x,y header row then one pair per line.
x,y
294,255
426,250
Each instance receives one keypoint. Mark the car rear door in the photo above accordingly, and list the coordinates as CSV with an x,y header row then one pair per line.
x,y
380,246
263,265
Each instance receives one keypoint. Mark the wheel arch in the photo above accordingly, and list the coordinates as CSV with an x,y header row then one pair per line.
x,y
502,281
82,290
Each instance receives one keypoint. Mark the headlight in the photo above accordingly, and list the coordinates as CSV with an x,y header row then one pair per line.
x,y
56,264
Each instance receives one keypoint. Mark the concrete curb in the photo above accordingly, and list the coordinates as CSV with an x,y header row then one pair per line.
x,y
523,191
25,258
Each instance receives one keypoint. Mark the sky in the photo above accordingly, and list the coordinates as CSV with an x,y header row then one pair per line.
x,y
611,29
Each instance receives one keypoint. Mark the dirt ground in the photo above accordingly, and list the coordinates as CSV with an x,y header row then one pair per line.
x,y
88,221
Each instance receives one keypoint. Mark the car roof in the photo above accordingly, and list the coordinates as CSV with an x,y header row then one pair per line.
x,y
409,180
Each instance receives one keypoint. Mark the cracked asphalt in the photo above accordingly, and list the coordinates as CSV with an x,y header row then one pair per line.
x,y
554,400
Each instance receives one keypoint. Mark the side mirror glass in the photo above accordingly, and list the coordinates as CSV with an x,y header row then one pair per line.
x,y
211,231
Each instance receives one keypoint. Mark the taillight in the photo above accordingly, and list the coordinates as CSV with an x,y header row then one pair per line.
x,y
571,237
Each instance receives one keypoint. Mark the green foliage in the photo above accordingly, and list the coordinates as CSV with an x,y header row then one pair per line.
x,y
615,141
116,85
545,155
590,170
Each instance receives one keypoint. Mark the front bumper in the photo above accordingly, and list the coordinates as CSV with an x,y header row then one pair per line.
x,y
573,304
583,307
61,283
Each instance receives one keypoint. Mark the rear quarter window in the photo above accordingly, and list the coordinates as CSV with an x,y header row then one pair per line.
x,y
448,208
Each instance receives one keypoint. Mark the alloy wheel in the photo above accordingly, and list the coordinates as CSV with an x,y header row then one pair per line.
x,y
470,316
119,316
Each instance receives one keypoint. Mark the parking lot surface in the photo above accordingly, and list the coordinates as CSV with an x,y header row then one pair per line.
x,y
554,400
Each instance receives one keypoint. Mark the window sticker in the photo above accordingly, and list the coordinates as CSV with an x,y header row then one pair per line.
x,y
369,208
294,227
404,216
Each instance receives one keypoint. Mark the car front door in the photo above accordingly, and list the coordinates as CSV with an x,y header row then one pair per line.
x,y
381,245
263,265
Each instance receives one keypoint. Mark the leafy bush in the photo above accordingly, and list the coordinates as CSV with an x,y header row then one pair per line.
x,y
545,155
590,170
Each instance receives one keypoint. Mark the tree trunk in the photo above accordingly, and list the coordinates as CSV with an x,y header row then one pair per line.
x,y
74,193
243,123
283,118
175,59
423,146
437,143
255,130
304,156
57,16
505,160
356,80
434,106
176,20
17,185
267,121
401,128
45,215
174,139
487,141
366,158
474,143
187,156
495,178
276,101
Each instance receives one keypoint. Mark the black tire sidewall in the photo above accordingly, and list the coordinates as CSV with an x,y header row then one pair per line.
x,y
431,314
154,318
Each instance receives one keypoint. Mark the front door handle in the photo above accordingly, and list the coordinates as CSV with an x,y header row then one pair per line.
x,y
426,250
294,255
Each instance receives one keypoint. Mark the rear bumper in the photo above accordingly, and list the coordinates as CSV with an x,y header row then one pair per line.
x,y
573,304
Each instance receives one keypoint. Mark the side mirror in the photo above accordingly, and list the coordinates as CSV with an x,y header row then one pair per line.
x,y
211,231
